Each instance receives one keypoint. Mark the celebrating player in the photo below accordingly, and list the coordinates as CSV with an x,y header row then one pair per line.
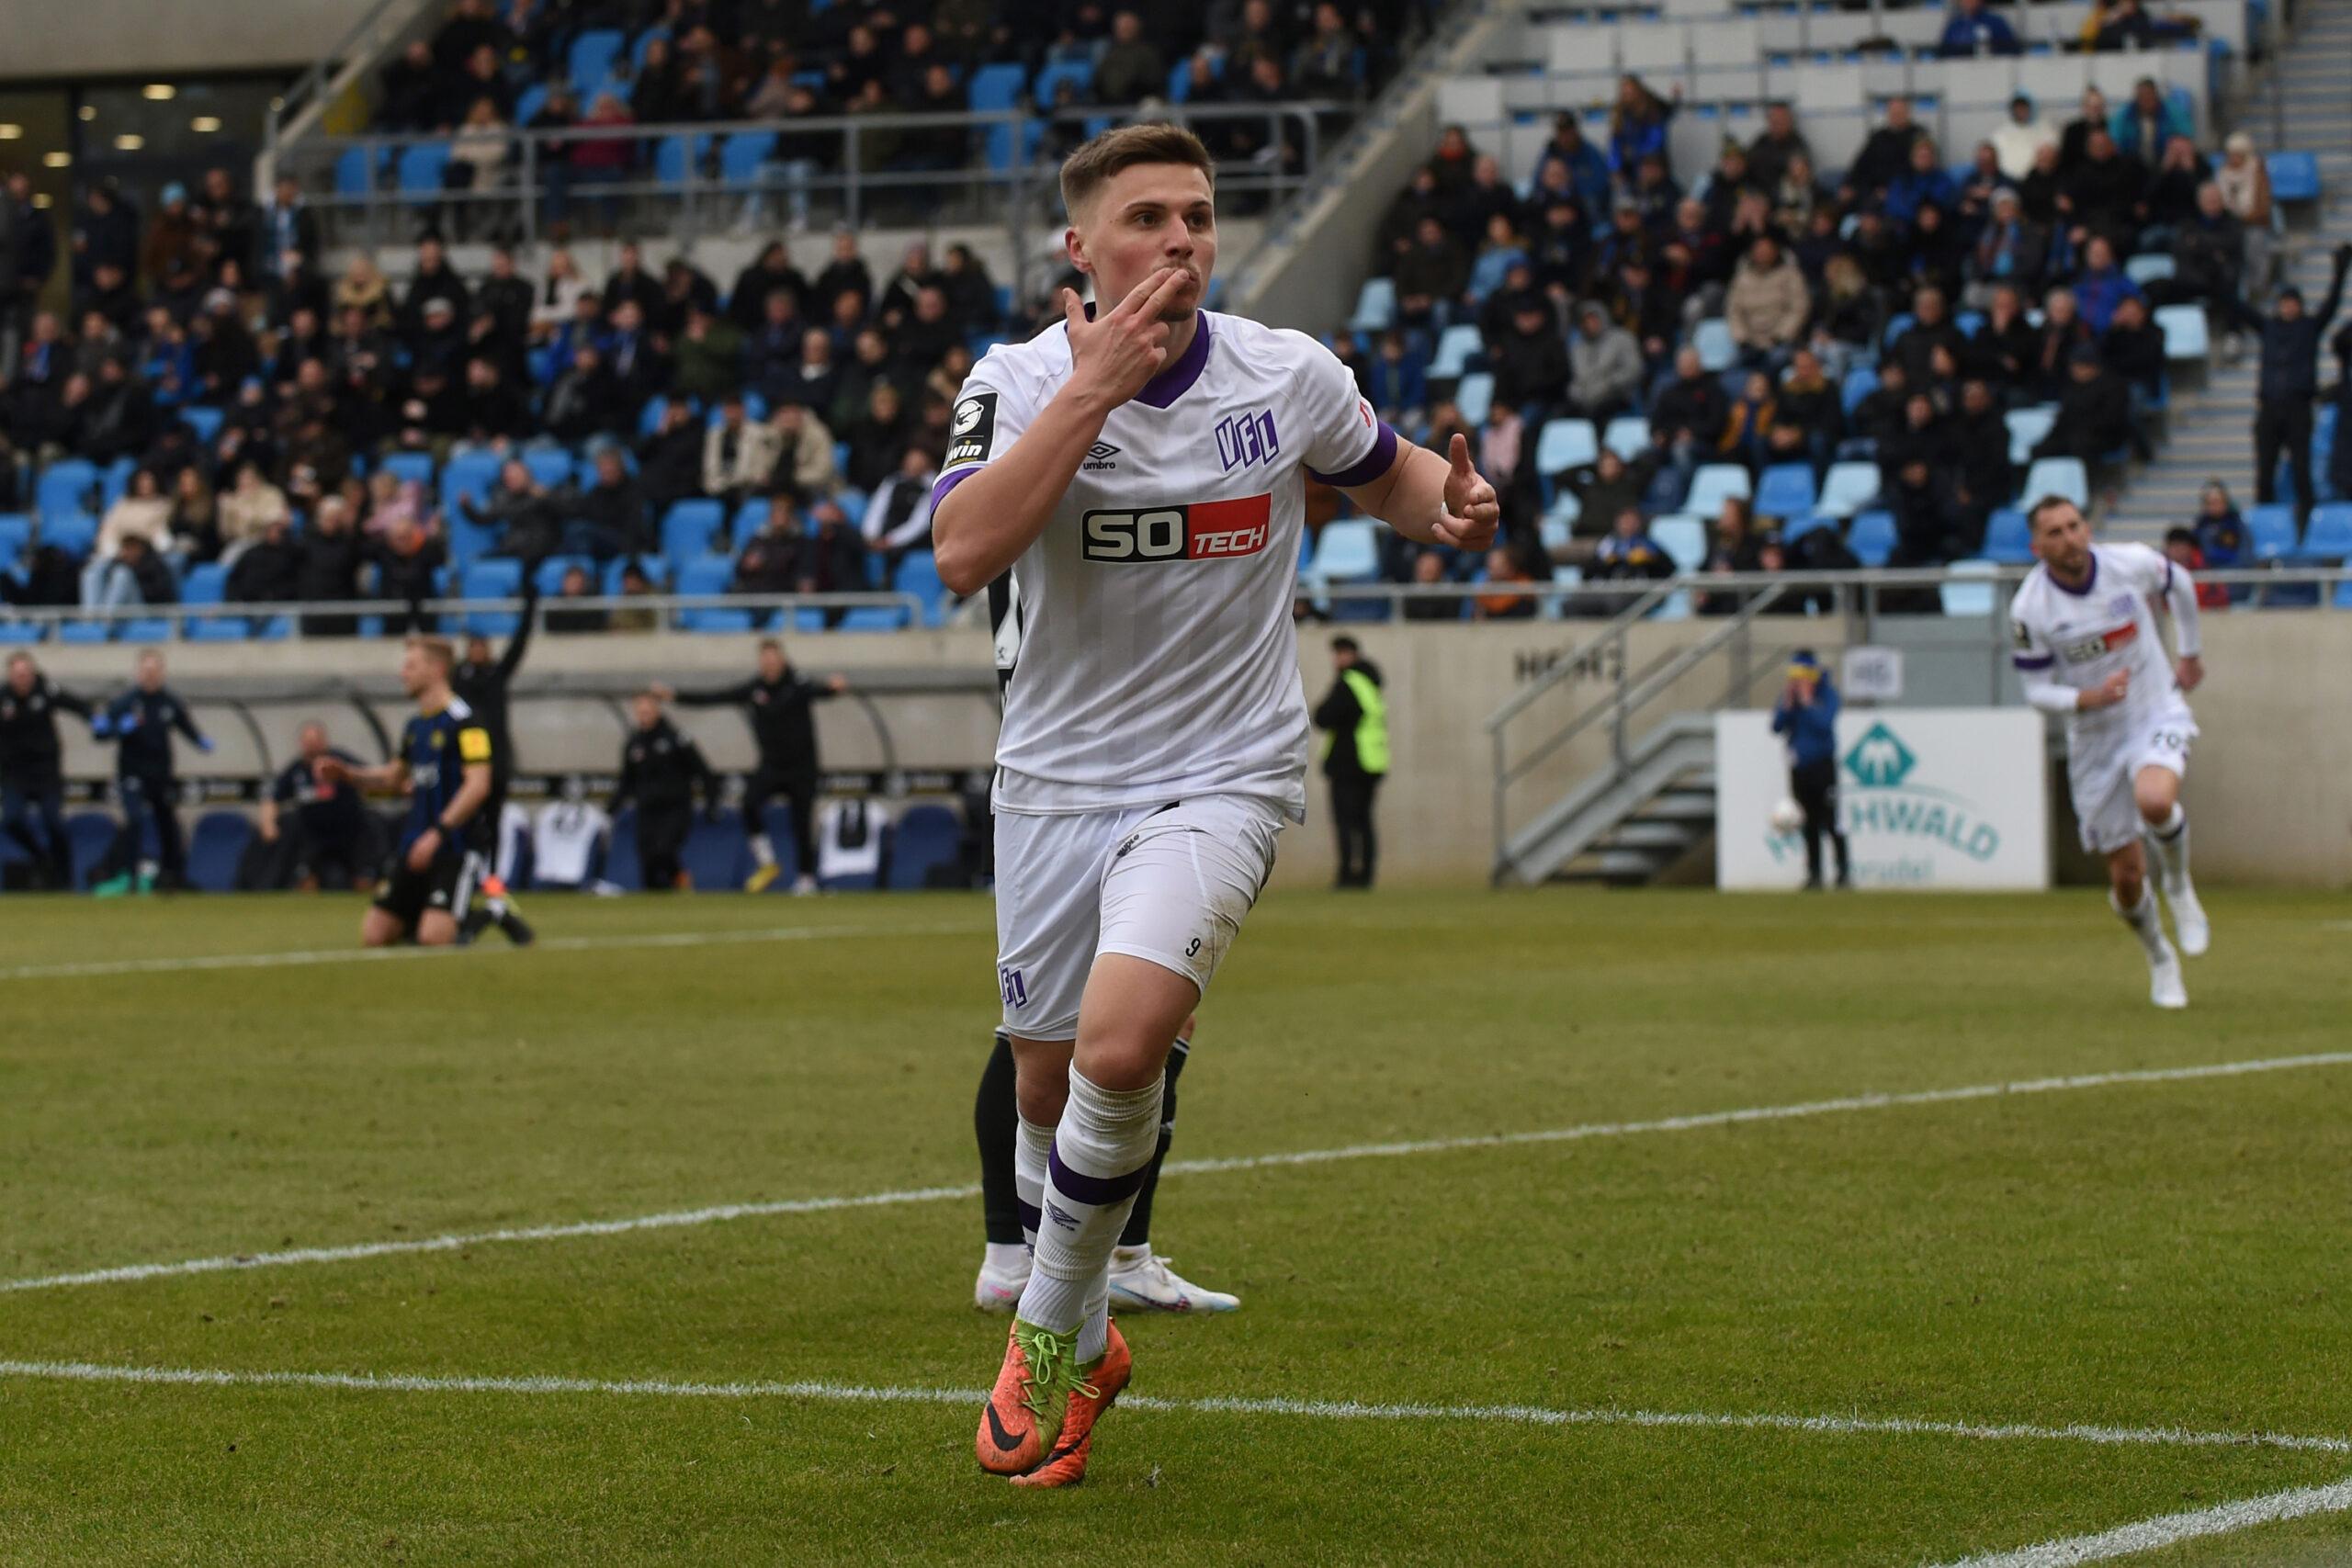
x,y
1140,469
2089,647
445,766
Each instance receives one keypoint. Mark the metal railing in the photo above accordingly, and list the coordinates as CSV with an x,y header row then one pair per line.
x,y
343,619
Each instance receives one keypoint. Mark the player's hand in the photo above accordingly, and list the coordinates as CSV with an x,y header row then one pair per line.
x,y
663,693
1114,354
836,684
330,770
421,853
268,832
2190,672
2108,692
1472,511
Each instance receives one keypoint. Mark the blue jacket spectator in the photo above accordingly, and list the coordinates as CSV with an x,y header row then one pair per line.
x,y
1926,184
1637,128
2142,126
1811,728
1588,170
2102,287
1975,30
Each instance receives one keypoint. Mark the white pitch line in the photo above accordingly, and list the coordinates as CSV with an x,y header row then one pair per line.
x,y
2153,1535
685,1218
100,968
1308,1409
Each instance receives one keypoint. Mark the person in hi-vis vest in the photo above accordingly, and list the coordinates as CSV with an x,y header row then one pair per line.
x,y
1356,757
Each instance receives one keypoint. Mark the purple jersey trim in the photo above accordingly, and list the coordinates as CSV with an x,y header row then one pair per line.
x,y
948,481
1177,379
2089,582
2043,662
1374,464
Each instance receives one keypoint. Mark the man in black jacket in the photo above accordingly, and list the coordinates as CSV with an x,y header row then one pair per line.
x,y
481,685
2282,413
32,780
777,701
332,553
660,771
2095,412
1356,759
1687,417
140,722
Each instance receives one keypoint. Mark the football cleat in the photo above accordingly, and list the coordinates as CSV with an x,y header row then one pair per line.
x,y
1141,1281
998,1290
763,879
2165,986
2189,919
803,886
1022,1418
1098,1386
517,930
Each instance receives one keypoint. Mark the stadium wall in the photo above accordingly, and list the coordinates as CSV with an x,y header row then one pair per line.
x,y
117,37
2272,784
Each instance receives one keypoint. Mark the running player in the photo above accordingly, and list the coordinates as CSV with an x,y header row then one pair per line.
x,y
1141,1279
1144,467
2088,648
445,764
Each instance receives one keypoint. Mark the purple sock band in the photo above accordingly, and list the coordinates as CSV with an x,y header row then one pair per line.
x,y
1096,1191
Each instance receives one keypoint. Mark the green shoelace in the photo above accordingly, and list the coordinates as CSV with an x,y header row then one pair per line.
x,y
1052,1367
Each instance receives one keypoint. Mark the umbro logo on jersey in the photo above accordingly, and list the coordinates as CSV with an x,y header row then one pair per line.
x,y
1246,438
1098,456
1202,530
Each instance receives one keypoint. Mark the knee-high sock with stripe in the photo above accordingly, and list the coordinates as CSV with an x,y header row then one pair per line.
x,y
1032,1151
1101,1152
2146,923
2169,838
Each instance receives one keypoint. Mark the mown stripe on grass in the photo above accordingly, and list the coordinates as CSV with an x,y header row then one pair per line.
x,y
2171,1529
676,1219
1305,1409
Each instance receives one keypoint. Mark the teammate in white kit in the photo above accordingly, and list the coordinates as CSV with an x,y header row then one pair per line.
x,y
1139,470
2089,647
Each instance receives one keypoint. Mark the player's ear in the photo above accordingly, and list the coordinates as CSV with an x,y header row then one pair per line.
x,y
1074,244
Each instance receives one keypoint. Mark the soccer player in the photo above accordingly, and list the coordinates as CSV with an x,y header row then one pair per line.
x,y
2088,648
481,685
446,765
140,722
1141,1279
778,702
33,779
1140,469
660,771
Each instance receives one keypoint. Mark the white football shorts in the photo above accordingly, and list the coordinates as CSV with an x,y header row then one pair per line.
x,y
2105,809
1167,884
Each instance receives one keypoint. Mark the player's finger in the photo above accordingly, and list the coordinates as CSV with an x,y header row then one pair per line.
x,y
1073,310
1459,454
1134,303
1162,295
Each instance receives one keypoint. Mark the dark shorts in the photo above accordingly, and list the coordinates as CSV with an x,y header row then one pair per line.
x,y
445,887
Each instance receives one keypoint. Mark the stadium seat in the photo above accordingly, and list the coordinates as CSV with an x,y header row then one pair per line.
x,y
716,855
742,156
2147,268
689,529
1785,490
17,634
2186,334
919,575
2272,532
67,486
1847,489
1859,383
2294,177
2007,538
701,576
15,532
1872,537
1456,347
1565,444
551,466
354,170
549,575
678,159
421,168
1079,74
1627,435
2059,476
90,834
144,629
874,618
216,846
83,632
2027,427
1717,350
1684,540
1375,306
113,479
1971,593
1348,550
1475,399
620,852
2327,536
491,579
593,55
408,466
1795,528
1712,485
928,839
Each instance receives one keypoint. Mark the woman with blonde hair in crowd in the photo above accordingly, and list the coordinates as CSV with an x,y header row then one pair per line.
x,y
2244,180
362,288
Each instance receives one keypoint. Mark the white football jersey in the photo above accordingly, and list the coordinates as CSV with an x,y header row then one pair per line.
x,y
2077,639
1156,657
563,841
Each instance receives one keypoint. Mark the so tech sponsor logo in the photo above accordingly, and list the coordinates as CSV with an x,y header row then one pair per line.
x,y
1195,531
1881,798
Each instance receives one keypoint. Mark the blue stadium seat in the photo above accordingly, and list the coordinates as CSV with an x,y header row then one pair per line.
x,y
529,101
491,579
2008,539
706,575
90,835
2186,334
1348,550
354,170
1795,528
1079,72
1565,444
1785,490
642,45
144,629
1627,435
1860,383
203,422
549,575
73,532
2027,427
421,168
408,466
551,466
1973,594
1375,306
17,634
716,855
593,55
2148,268
1475,399
113,479
1456,347
927,838
919,575
677,159
1684,540
67,486
743,155
214,849
15,532
2058,476
1717,350
2294,177
1712,485
620,852
874,618
687,529
2272,532
1871,536
2327,536
1847,489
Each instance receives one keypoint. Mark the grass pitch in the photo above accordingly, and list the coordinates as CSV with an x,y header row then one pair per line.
x,y
2153,1254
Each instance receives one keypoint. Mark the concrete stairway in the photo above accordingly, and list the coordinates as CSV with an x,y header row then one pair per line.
x,y
2211,429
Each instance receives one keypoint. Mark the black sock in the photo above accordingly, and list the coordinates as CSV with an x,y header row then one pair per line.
x,y
996,1122
1138,1231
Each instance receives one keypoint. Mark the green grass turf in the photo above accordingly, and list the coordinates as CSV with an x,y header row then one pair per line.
x,y
2141,1255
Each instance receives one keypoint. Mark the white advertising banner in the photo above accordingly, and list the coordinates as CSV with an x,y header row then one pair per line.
x,y
1929,798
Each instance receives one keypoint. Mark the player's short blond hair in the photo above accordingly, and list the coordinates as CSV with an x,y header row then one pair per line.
x,y
1123,147
437,649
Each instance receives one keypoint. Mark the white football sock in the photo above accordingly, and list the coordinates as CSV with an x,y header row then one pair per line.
x,y
2146,924
1100,1153
1006,1257
2170,841
762,851
1031,1147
